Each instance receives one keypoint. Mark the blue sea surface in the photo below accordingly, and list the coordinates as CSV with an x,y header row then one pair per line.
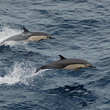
x,y
81,29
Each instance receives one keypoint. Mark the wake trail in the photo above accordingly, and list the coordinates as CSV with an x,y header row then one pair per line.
x,y
6,33
21,73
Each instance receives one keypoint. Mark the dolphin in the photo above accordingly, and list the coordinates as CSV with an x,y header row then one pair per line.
x,y
68,64
29,36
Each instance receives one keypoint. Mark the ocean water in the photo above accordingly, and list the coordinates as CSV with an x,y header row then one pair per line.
x,y
81,29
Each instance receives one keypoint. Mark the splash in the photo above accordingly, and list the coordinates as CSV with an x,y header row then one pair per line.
x,y
6,33
21,73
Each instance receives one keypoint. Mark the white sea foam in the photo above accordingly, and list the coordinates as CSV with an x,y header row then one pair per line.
x,y
20,73
6,33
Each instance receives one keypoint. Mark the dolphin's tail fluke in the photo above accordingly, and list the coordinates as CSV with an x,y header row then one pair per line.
x,y
37,69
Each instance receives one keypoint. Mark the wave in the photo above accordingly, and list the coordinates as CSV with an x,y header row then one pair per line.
x,y
21,73
7,32
90,22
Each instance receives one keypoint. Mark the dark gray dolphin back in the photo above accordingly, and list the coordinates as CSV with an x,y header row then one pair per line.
x,y
72,60
63,62
36,33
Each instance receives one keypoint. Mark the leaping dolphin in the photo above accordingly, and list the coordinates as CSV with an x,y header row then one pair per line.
x,y
29,36
68,64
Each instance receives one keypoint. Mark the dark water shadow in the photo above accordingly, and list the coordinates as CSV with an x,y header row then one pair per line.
x,y
3,47
77,94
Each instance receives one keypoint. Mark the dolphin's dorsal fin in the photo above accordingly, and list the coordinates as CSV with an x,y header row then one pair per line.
x,y
25,30
62,57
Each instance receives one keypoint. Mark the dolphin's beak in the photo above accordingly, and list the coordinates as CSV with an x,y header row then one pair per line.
x,y
51,37
93,66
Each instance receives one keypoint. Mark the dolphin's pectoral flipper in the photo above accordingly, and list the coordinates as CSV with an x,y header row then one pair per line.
x,y
40,40
77,69
62,57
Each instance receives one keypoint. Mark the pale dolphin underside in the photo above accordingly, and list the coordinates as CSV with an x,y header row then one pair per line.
x,y
29,36
65,63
